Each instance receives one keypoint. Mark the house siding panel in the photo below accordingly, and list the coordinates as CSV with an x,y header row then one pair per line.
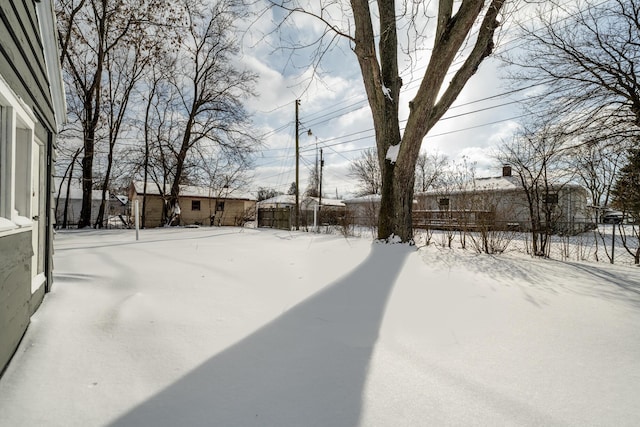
x,y
153,211
15,291
23,65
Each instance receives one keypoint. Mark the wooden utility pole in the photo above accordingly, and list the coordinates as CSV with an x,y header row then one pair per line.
x,y
320,189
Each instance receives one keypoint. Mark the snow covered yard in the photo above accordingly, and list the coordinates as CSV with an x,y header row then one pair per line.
x,y
245,327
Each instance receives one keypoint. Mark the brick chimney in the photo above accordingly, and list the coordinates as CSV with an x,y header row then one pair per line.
x,y
506,170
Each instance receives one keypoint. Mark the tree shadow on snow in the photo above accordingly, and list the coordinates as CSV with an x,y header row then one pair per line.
x,y
307,367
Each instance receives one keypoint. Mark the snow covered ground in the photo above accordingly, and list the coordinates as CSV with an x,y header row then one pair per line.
x,y
246,327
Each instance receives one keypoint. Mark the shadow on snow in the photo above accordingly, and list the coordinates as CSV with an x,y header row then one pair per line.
x,y
307,367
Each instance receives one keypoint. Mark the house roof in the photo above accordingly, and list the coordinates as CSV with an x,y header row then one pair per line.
x,y
368,198
325,202
282,199
75,191
499,183
195,191
49,36
122,199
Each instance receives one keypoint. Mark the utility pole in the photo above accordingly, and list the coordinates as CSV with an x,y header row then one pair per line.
x,y
613,240
320,191
297,167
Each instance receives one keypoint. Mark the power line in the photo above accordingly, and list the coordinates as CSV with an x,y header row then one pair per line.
x,y
500,95
477,126
403,121
359,104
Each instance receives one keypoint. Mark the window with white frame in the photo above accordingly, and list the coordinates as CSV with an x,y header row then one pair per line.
x,y
17,124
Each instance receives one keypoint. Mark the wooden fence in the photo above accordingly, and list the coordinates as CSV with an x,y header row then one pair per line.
x,y
279,218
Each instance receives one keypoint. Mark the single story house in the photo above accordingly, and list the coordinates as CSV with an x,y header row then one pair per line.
x,y
502,203
32,109
198,205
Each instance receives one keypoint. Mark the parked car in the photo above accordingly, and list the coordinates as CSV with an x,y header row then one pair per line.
x,y
612,217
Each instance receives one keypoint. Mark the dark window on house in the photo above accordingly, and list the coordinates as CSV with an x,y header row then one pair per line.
x,y
195,205
550,199
220,206
443,203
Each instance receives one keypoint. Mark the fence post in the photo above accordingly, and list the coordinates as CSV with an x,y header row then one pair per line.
x,y
613,241
315,218
137,219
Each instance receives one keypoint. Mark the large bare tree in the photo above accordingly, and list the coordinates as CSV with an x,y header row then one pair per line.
x,y
366,170
463,32
158,131
597,164
626,197
210,87
89,31
538,158
586,57
125,66
429,169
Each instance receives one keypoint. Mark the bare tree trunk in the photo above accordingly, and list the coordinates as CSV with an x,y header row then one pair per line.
x,y
90,91
144,184
67,173
105,185
87,178
66,200
382,84
175,185
147,137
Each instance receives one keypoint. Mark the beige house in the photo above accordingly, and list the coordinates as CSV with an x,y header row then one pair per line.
x,y
198,205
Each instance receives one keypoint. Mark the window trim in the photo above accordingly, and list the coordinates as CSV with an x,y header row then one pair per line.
x,y
15,114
